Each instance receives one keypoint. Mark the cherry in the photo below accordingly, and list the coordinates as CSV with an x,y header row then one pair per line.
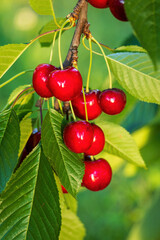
x,y
63,189
93,107
117,9
65,84
40,79
78,136
99,3
97,175
112,101
98,141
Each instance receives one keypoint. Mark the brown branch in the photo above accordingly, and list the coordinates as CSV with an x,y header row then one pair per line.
x,y
80,9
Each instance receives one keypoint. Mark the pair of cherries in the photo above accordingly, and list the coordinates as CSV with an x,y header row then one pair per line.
x,y
116,7
49,81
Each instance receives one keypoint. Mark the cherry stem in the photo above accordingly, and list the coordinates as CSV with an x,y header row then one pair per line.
x,y
73,114
54,16
40,109
90,65
60,105
53,43
14,77
20,94
59,41
85,105
52,102
107,64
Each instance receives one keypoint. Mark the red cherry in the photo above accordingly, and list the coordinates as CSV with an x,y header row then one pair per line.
x,y
93,107
99,3
78,136
65,84
97,175
112,101
63,189
117,9
98,141
40,78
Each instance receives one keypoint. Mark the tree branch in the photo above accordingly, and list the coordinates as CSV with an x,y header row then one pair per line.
x,y
81,11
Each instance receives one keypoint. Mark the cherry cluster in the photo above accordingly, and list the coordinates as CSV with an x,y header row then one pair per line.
x,y
81,136
116,7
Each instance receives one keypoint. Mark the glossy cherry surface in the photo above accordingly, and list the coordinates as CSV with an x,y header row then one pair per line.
x,y
92,103
98,141
99,3
117,9
78,136
97,175
112,101
63,189
40,79
65,84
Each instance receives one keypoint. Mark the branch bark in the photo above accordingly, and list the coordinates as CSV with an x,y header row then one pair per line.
x,y
81,9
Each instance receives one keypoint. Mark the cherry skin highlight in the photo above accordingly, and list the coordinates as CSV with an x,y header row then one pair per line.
x,y
65,84
40,79
98,175
112,101
98,141
117,9
99,3
78,136
92,103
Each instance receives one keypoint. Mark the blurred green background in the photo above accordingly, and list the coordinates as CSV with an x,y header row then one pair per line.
x,y
129,209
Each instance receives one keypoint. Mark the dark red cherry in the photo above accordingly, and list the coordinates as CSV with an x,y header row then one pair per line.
x,y
33,140
40,78
65,84
117,9
63,189
98,141
97,175
112,101
78,136
99,3
93,107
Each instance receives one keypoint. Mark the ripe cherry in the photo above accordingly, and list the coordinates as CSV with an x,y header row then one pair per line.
x,y
63,189
40,78
65,84
98,141
97,175
112,101
99,3
78,136
117,9
93,107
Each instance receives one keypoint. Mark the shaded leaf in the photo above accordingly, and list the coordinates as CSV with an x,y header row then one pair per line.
x,y
47,40
145,18
30,204
136,74
9,145
120,143
68,165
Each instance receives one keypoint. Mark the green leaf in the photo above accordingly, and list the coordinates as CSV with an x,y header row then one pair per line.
x,y
9,54
145,18
68,165
136,74
72,228
47,40
30,204
43,7
9,145
130,48
25,130
120,143
142,114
